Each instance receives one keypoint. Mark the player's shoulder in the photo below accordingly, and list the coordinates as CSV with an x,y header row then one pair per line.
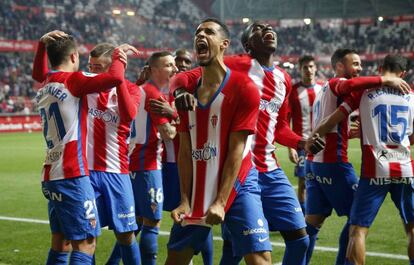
x,y
151,90
297,85
239,62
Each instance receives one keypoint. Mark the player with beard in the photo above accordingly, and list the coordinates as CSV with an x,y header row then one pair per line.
x,y
280,204
381,136
332,181
220,185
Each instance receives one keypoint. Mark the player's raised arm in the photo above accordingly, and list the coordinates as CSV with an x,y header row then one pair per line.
x,y
40,67
347,86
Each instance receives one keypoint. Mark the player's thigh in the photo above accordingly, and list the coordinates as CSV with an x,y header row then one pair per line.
x,y
171,186
148,193
368,199
402,195
119,202
247,225
280,203
72,202
188,237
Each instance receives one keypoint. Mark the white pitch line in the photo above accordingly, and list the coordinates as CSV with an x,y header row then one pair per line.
x,y
217,238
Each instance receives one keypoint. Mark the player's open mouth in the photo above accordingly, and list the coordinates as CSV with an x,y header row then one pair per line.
x,y
201,48
269,36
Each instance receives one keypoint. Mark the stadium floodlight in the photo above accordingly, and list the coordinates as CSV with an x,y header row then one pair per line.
x,y
307,21
130,13
380,18
116,12
246,20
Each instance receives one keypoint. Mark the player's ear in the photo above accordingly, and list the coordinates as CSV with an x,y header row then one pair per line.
x,y
225,44
73,56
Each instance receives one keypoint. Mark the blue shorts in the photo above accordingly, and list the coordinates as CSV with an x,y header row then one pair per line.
x,y
115,200
72,208
171,186
280,203
244,220
148,193
330,186
300,171
370,195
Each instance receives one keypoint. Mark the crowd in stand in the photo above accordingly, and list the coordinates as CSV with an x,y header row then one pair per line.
x,y
169,24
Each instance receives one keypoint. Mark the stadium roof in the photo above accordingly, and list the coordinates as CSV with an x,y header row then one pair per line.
x,y
281,9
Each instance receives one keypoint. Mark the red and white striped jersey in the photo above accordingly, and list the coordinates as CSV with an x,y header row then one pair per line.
x,y
108,131
234,107
64,109
326,102
387,118
274,86
145,142
300,102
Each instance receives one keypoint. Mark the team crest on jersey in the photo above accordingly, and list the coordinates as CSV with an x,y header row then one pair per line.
x,y
214,120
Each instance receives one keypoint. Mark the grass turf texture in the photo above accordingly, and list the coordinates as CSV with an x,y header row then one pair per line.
x,y
21,156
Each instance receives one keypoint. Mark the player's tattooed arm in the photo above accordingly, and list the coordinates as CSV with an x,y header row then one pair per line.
x,y
167,131
185,172
161,107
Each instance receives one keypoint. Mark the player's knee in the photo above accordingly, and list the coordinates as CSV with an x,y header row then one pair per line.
x,y
315,220
126,238
86,246
151,223
293,234
258,258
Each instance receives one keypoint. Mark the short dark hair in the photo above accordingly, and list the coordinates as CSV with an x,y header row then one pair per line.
x,y
181,51
395,63
224,29
245,35
102,49
340,54
153,60
59,50
305,59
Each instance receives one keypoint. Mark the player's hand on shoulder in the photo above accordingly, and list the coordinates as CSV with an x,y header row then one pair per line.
x,y
215,214
180,212
161,107
314,144
53,36
184,101
397,83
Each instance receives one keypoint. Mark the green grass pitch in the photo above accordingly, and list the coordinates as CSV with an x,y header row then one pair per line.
x,y
21,156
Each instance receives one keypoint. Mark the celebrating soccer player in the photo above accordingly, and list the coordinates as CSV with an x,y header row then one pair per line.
x,y
387,128
333,180
218,181
62,104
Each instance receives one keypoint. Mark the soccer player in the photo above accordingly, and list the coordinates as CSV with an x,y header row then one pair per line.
x,y
65,183
333,181
387,117
109,116
170,178
218,180
300,103
148,131
280,204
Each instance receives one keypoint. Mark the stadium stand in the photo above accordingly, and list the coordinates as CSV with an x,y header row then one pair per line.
x,y
160,24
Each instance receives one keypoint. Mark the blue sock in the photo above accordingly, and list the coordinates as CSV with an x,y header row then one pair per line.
x,y
411,262
295,253
57,258
80,258
227,257
130,254
115,257
313,234
149,245
302,205
343,244
207,251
